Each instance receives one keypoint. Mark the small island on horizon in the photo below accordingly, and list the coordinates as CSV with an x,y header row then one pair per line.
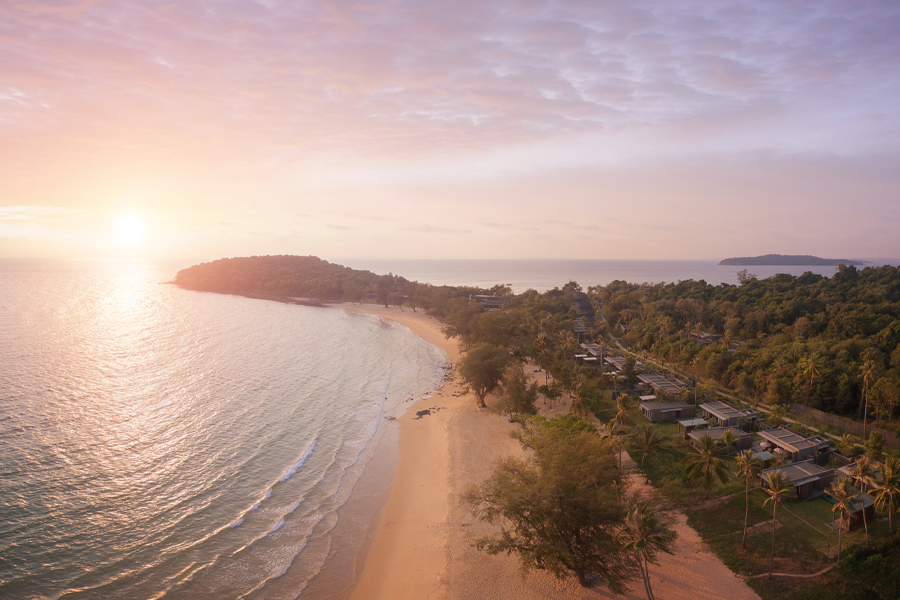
x,y
788,260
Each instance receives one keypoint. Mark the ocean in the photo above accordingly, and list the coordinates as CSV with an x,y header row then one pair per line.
x,y
163,443
543,275
157,442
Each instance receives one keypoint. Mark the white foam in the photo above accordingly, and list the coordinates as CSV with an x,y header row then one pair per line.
x,y
299,464
236,523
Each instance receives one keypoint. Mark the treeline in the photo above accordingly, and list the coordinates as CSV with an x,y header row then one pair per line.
x,y
830,343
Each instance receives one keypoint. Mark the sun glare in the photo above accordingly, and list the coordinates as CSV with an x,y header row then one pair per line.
x,y
130,230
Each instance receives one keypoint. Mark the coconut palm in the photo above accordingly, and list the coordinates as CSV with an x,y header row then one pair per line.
x,y
861,473
645,535
581,396
777,487
648,440
728,441
611,426
749,468
845,443
706,464
622,410
887,494
841,490
868,376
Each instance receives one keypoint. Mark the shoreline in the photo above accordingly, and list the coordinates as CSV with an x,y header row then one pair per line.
x,y
405,554
421,540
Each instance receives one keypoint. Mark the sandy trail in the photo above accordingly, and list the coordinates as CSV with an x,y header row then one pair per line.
x,y
422,543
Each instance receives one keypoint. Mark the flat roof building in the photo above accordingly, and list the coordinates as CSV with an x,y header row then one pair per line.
x,y
725,414
744,439
657,412
797,447
806,477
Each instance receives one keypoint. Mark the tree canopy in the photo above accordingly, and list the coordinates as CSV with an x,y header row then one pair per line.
x,y
563,513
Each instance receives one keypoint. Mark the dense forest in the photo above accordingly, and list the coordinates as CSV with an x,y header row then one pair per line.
x,y
830,343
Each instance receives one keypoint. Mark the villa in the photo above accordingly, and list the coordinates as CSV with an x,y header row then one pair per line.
x,y
795,446
657,412
726,415
744,439
807,477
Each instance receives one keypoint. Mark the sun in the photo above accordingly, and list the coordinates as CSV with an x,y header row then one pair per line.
x,y
130,230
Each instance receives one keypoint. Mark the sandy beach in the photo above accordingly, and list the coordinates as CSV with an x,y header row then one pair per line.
x,y
422,541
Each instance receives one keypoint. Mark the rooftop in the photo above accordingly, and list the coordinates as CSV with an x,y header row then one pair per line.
x,y
801,472
715,433
726,411
664,406
788,439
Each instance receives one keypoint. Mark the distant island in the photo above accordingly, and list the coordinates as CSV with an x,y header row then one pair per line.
x,y
788,260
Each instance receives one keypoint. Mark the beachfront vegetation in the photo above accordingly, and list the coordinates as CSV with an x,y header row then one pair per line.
x,y
563,511
483,368
646,534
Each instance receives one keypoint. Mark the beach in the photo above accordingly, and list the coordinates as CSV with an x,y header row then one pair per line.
x,y
421,543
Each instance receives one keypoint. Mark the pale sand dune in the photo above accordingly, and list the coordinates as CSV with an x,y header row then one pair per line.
x,y
422,543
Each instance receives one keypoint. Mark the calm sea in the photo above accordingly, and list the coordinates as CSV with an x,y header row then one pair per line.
x,y
543,275
157,442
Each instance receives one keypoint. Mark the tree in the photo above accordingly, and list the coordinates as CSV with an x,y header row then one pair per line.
x,y
887,494
706,464
870,371
581,396
645,535
842,492
845,443
518,395
648,440
482,368
622,410
628,368
875,446
561,514
777,487
728,441
749,469
861,473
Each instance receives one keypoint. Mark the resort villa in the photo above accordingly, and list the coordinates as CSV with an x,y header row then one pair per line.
x,y
807,477
657,412
744,439
726,415
796,447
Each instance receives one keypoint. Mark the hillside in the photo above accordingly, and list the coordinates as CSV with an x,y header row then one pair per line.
x,y
788,260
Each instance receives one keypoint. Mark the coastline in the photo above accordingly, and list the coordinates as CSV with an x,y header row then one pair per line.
x,y
421,541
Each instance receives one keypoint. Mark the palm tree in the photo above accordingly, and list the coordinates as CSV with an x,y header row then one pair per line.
x,y
622,410
842,492
706,464
861,473
728,441
845,443
611,432
811,371
777,487
748,468
648,440
645,535
579,399
887,495
868,375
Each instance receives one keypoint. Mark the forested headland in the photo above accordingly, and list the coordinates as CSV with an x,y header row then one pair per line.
x,y
803,260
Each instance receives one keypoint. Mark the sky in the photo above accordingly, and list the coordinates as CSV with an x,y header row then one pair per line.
x,y
449,129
